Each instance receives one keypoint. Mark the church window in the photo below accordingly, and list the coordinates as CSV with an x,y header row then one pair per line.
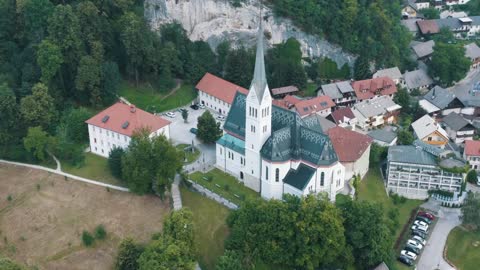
x,y
241,175
255,113
322,179
277,175
266,173
220,150
233,157
252,146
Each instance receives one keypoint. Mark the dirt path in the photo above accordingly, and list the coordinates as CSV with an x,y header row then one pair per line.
x,y
174,90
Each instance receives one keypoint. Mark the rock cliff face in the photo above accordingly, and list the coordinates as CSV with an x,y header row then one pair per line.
x,y
217,20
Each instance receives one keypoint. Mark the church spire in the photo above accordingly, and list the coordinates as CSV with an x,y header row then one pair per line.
x,y
259,81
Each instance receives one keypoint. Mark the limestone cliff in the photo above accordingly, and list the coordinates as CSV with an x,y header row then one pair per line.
x,y
217,20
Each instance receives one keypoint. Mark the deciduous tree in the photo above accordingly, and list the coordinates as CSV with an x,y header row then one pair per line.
x,y
38,142
115,161
470,212
50,59
449,63
38,109
128,254
209,130
230,260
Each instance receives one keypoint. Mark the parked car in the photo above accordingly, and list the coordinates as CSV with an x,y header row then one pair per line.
x,y
171,114
194,131
201,106
424,219
420,228
426,214
194,106
419,240
413,243
412,249
221,117
405,260
420,223
419,234
409,254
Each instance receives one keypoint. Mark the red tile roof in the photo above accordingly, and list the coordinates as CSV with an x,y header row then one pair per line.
x,y
472,148
287,102
219,88
428,26
380,86
119,113
309,106
340,114
349,145
284,90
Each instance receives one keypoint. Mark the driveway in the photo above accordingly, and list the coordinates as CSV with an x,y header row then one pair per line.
x,y
432,256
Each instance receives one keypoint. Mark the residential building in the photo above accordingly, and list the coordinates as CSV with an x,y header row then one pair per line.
x,y
411,25
414,170
283,91
456,2
452,14
465,27
392,73
368,89
441,101
472,52
472,154
430,132
376,112
409,10
421,4
353,150
114,126
423,50
383,137
417,80
321,105
344,117
341,93
274,151
216,93
458,128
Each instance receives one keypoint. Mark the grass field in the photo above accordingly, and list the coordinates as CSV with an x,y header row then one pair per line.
x,y
310,91
210,227
95,168
190,156
463,249
146,97
218,182
42,222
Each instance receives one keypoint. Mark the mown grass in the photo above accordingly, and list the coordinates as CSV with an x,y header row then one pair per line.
x,y
463,248
95,168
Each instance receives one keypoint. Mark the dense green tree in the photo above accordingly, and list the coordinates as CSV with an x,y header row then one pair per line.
x,y
37,109
111,82
115,161
35,18
239,67
405,137
284,65
445,36
402,98
179,227
164,255
74,122
431,13
472,177
50,59
128,254
377,154
38,142
223,49
88,79
449,63
9,112
150,164
209,130
230,260
470,214
367,233
361,69
90,22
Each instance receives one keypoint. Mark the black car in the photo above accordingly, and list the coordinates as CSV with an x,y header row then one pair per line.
x,y
194,106
419,233
405,260
424,219
412,249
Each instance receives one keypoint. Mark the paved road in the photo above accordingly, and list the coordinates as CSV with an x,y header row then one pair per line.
x,y
432,256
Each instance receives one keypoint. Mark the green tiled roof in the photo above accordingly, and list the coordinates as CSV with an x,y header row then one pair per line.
x,y
300,177
235,122
232,143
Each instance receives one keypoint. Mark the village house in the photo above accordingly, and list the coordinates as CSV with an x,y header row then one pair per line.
x,y
409,10
376,112
465,27
392,73
283,91
430,132
472,154
321,105
417,80
344,117
472,52
114,126
370,88
441,101
458,128
422,50
341,93
411,25
216,93
383,136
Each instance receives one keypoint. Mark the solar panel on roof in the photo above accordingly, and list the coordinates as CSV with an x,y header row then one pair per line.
x,y
125,125
105,118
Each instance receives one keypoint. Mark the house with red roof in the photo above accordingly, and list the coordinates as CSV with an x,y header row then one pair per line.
x,y
472,154
321,105
353,150
217,94
344,117
114,127
368,89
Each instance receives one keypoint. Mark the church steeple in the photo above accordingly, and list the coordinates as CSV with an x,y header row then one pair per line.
x,y
259,82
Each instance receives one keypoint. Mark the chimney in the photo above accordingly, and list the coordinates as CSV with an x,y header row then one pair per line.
x,y
133,109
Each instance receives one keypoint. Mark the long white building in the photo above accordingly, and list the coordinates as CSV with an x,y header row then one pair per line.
x,y
114,126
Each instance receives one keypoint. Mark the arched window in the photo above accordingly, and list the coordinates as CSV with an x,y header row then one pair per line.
x,y
277,175
322,179
266,173
241,175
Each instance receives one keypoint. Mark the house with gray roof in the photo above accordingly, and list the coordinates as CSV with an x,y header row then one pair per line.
x,y
441,100
427,130
458,128
413,170
393,73
372,113
417,79
423,50
464,27
472,52
411,25
341,93
383,137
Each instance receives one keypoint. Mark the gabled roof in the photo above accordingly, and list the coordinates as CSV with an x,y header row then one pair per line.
x,y
349,145
382,135
235,122
219,88
410,24
124,119
287,102
456,122
428,27
410,154
284,90
472,51
232,143
300,177
425,126
330,90
417,78
373,107
423,49
392,73
367,89
440,97
341,114
316,104
472,148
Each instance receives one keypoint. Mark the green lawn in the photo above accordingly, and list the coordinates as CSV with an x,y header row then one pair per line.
x,y
373,189
310,90
463,248
146,97
95,168
190,156
218,182
210,227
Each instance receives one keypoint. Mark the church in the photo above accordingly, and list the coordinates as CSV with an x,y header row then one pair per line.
x,y
273,150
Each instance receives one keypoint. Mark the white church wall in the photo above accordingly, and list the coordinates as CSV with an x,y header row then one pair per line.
x,y
270,187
